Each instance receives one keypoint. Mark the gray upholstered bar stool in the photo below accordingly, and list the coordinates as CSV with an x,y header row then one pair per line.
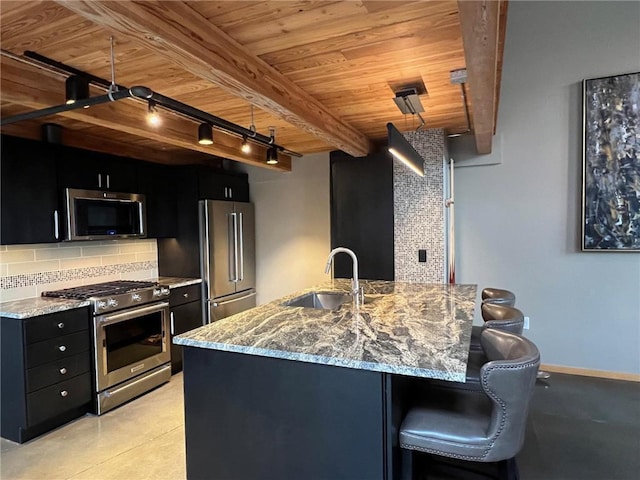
x,y
498,295
486,426
500,316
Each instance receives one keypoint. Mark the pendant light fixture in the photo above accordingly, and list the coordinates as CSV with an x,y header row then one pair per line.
x,y
76,88
272,152
205,134
153,117
272,156
403,151
246,148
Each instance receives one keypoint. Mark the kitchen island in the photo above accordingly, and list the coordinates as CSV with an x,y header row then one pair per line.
x,y
294,392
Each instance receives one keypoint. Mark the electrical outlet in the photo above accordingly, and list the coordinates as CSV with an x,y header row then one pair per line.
x,y
422,256
526,323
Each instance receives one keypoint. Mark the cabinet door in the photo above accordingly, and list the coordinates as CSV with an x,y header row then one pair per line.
x,y
157,183
362,214
183,318
216,185
89,170
29,196
238,187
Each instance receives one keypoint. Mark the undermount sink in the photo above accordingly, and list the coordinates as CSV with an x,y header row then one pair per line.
x,y
321,300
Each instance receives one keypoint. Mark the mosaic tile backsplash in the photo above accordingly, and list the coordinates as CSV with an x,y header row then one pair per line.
x,y
419,212
28,270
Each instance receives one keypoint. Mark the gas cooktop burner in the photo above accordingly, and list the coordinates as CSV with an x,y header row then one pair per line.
x,y
105,289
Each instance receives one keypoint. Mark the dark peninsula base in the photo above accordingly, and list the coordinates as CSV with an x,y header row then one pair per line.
x,y
250,417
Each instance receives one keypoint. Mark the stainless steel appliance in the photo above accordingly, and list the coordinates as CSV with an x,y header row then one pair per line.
x,y
95,214
132,350
227,256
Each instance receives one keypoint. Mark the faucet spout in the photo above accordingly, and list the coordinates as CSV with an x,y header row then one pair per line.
x,y
355,285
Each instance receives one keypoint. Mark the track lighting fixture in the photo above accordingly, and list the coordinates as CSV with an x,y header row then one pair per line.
x,y
272,156
78,82
153,117
272,152
246,147
76,88
205,134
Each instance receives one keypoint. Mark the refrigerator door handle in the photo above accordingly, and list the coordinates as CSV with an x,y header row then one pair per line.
x,y
241,249
233,254
219,304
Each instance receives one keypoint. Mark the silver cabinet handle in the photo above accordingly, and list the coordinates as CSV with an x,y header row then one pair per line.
x,y
63,371
64,393
62,348
230,192
99,180
61,325
56,225
172,324
107,180
185,295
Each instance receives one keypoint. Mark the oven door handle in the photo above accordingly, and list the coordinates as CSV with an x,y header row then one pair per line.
x,y
132,313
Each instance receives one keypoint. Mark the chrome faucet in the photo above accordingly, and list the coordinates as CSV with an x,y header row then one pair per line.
x,y
358,294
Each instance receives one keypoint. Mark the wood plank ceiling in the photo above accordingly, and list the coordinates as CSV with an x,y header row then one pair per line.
x,y
323,73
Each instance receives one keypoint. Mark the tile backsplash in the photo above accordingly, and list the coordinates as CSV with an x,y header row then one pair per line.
x,y
419,213
28,270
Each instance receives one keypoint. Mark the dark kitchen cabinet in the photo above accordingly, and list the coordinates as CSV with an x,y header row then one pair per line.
x,y
362,214
46,375
216,185
158,184
180,256
30,210
84,169
186,314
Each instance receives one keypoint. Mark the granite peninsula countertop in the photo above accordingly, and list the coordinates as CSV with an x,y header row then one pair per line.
x,y
414,329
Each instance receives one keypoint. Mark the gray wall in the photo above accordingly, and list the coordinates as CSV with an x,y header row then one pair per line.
x,y
518,222
292,226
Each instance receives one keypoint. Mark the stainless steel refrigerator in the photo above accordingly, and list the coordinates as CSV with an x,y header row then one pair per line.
x,y
227,258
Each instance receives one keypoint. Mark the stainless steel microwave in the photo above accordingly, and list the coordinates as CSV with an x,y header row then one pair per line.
x,y
99,215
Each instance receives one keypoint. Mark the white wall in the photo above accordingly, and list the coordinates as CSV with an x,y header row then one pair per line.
x,y
292,226
518,223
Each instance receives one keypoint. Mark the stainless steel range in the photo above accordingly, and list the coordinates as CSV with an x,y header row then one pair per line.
x,y
132,349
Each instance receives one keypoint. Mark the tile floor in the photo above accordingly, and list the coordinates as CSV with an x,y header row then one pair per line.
x,y
579,429
143,439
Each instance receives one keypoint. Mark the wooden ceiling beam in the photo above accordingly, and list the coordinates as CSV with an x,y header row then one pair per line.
x,y
28,86
178,33
479,21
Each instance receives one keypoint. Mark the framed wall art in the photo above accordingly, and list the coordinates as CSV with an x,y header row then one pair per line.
x,y
611,163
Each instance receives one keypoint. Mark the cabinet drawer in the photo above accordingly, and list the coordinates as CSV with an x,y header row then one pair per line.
x,y
57,348
181,295
56,399
53,325
57,371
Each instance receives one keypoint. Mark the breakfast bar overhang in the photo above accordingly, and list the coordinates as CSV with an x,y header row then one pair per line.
x,y
288,392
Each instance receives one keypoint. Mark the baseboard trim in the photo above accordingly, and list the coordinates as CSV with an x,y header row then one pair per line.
x,y
585,372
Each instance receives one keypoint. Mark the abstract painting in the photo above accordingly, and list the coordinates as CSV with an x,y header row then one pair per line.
x,y
611,164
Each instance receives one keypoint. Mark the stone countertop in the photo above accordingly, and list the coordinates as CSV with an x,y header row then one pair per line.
x,y
32,307
177,282
420,330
